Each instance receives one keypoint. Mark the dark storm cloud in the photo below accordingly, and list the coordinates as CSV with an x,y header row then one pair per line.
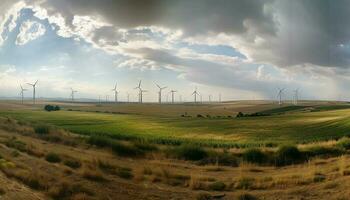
x,y
195,16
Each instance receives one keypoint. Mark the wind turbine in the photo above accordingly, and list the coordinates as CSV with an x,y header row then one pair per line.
x,y
172,95
34,87
220,97
279,95
72,93
195,93
160,93
209,98
140,92
128,96
22,93
296,96
115,93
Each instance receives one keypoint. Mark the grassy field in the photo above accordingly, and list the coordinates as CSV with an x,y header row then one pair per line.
x,y
330,122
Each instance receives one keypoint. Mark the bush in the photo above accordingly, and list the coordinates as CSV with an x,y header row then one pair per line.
x,y
344,143
74,164
125,173
247,196
50,108
42,129
93,175
203,196
99,140
53,158
190,152
224,159
145,146
245,183
286,155
125,150
217,186
323,151
254,156
240,114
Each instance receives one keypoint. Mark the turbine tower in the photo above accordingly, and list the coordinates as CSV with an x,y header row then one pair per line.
x,y
115,93
220,97
209,98
279,95
128,97
160,93
34,87
172,95
141,91
296,97
22,93
195,93
72,93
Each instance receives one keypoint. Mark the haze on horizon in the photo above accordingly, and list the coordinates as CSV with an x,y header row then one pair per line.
x,y
242,49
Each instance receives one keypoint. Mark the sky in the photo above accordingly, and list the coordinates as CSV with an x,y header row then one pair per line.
x,y
241,49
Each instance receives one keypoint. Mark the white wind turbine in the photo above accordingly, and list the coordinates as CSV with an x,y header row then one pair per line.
x,y
72,93
195,93
115,93
160,93
22,93
296,97
34,87
141,91
172,95
279,95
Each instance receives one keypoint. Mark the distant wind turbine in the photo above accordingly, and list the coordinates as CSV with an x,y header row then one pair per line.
x,y
115,93
172,95
34,87
22,93
160,93
195,93
279,95
72,93
296,97
141,91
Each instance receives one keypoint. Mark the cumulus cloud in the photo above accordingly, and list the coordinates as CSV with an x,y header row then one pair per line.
x,y
29,30
300,38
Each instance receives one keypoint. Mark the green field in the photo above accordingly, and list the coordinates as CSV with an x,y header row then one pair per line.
x,y
295,127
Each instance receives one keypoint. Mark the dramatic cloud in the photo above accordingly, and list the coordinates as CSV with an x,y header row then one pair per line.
x,y
29,31
249,45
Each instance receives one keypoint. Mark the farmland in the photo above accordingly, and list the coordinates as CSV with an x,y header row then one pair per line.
x,y
220,130
105,151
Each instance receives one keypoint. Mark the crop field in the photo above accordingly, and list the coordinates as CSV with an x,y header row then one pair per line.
x,y
295,126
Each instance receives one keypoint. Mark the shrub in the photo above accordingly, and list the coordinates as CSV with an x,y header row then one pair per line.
x,y
247,196
190,152
286,155
323,151
240,114
344,143
42,129
254,156
145,146
53,158
50,108
203,196
93,175
125,150
224,159
99,140
217,186
125,173
74,164
245,183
